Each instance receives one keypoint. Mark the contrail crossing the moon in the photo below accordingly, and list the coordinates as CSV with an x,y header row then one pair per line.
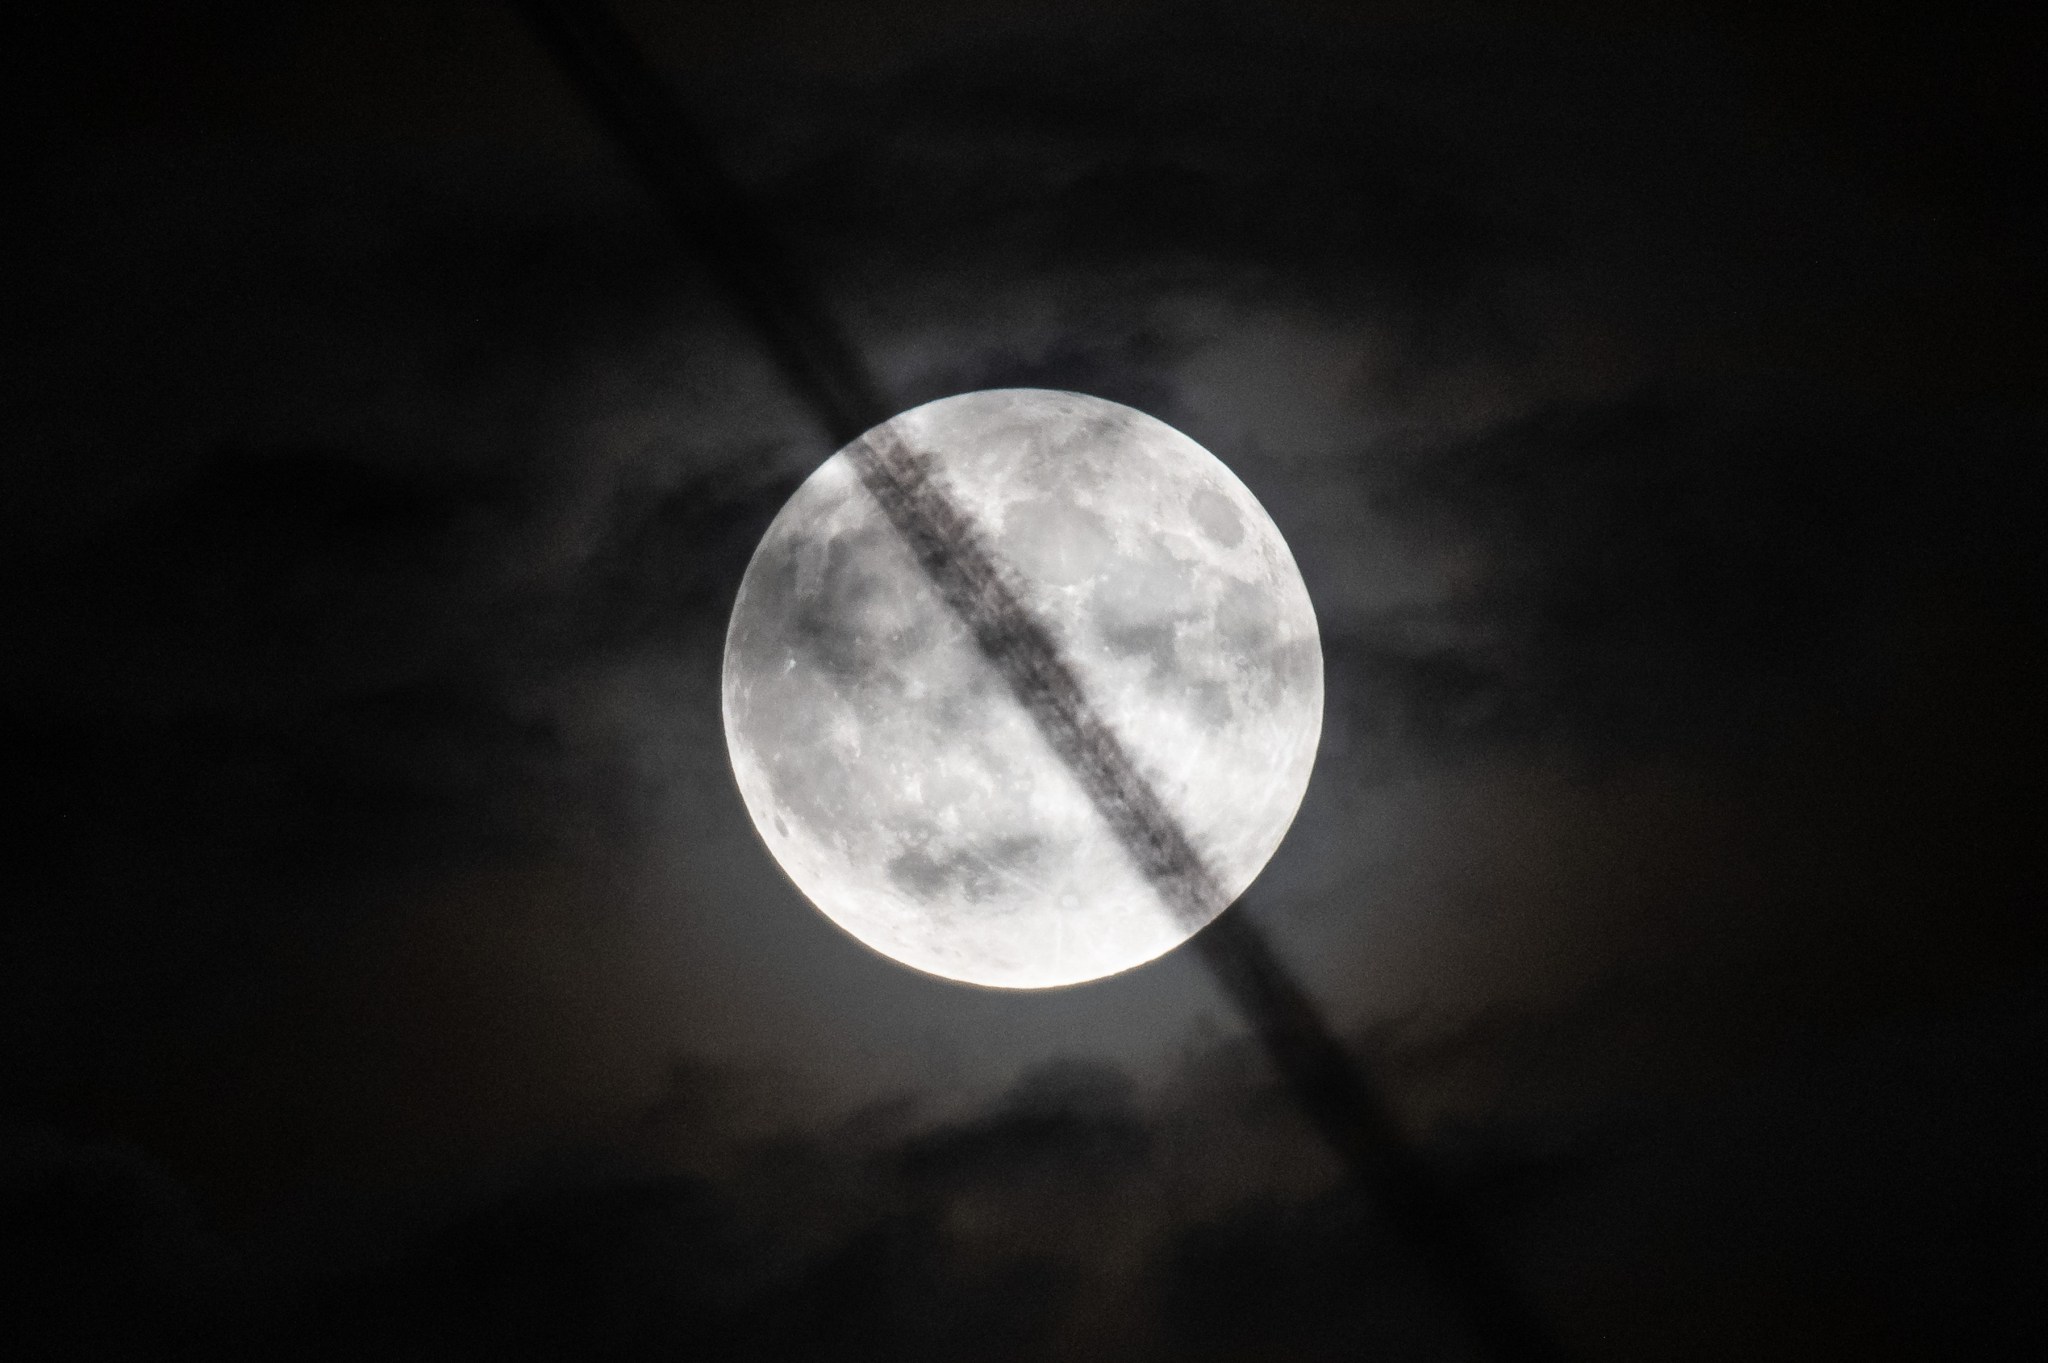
x,y
978,589
637,108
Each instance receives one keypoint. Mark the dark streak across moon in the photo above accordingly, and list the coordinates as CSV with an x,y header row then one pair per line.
x,y
638,110
977,588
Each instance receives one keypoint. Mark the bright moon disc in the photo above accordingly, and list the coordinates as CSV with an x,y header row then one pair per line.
x,y
897,779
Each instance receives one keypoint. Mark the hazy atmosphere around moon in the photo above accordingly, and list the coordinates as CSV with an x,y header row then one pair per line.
x,y
392,966
897,780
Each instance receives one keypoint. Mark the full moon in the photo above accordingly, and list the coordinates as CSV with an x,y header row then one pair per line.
x,y
895,776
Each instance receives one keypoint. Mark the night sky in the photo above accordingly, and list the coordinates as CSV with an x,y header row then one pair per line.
x,y
389,969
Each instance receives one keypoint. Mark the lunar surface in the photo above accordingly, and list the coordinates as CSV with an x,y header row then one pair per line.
x,y
894,775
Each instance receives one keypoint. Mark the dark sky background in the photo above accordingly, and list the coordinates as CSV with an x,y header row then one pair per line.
x,y
389,969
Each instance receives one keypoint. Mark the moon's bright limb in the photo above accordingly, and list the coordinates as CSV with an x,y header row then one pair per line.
x,y
894,775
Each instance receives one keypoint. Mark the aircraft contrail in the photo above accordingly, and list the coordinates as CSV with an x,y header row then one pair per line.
x,y
710,209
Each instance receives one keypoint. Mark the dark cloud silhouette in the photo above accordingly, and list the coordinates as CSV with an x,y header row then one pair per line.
x,y
1079,1215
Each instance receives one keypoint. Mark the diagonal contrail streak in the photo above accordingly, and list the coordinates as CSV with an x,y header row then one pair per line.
x,y
974,584
711,211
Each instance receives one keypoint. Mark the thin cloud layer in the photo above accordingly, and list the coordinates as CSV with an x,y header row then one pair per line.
x,y
1648,413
